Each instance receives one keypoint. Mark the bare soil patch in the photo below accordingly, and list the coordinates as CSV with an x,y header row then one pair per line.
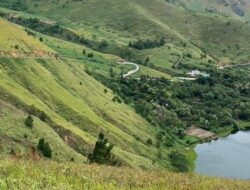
x,y
200,133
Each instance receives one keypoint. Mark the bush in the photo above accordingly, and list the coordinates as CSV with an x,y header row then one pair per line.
x,y
179,161
149,142
44,148
90,55
29,121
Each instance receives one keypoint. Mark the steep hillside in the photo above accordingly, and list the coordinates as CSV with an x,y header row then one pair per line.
x,y
223,38
239,9
71,104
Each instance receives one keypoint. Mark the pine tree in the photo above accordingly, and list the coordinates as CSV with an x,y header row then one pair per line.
x,y
102,152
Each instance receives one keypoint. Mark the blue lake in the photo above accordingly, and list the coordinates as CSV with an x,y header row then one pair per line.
x,y
225,157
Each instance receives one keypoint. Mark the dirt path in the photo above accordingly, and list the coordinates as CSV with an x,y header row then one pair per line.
x,y
232,66
131,72
28,55
178,61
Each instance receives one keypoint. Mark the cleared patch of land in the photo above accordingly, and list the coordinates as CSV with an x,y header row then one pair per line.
x,y
200,133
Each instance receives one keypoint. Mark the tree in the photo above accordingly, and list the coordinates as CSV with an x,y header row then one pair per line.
x,y
149,142
43,116
169,142
29,121
111,72
179,161
102,152
84,51
44,148
41,143
47,152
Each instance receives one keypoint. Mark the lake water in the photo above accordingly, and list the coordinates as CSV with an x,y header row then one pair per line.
x,y
225,157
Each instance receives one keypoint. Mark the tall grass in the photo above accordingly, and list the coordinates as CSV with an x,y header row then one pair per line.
x,y
31,175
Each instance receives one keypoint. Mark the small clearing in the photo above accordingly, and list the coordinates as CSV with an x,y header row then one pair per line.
x,y
200,133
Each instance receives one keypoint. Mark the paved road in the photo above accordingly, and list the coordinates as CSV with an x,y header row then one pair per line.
x,y
131,72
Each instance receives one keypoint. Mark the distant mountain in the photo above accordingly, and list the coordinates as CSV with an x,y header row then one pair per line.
x,y
237,8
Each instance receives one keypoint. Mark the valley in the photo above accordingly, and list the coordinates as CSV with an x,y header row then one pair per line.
x,y
116,85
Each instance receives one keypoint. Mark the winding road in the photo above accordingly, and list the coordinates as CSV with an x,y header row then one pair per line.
x,y
131,72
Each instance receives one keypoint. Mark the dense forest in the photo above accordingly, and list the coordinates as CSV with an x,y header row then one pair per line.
x,y
215,103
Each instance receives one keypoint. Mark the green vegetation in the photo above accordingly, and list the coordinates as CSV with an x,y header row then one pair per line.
x,y
174,107
62,86
44,148
50,175
29,121
148,44
102,152
238,9
179,161
187,31
49,88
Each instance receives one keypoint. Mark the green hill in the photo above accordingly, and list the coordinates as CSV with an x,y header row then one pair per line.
x,y
238,9
75,105
124,21
61,80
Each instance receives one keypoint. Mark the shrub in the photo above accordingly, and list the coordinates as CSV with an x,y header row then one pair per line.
x,y
149,142
16,47
44,148
90,55
179,161
84,51
29,121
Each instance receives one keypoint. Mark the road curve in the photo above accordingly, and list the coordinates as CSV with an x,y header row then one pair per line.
x,y
137,68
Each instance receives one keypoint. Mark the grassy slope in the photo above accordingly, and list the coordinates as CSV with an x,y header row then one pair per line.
x,y
222,8
126,20
13,132
50,175
101,63
8,39
54,86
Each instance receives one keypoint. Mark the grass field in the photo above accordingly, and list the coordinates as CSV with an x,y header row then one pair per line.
x,y
50,175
